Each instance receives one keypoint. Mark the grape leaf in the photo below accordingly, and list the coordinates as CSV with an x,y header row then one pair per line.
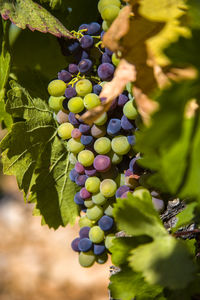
x,y
4,116
186,216
163,261
26,13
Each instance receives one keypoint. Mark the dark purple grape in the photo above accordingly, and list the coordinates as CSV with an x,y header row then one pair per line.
x,y
82,54
106,223
99,249
79,168
72,119
86,139
73,174
84,26
78,199
121,190
84,66
122,99
113,105
74,244
76,133
134,167
131,139
86,42
85,194
84,232
98,131
74,46
126,123
70,92
105,71
97,89
106,58
102,34
64,76
90,171
73,68
108,51
85,245
84,128
81,179
128,173
94,28
65,104
102,163
114,127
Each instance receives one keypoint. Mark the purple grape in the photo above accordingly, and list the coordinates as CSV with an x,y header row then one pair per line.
x,y
81,55
64,76
84,66
108,51
158,204
85,194
94,28
134,167
90,171
98,131
73,68
102,163
106,223
121,190
122,99
81,179
74,244
97,89
84,128
85,245
79,168
76,133
84,26
74,46
86,139
114,127
126,123
70,92
105,71
124,195
99,249
86,42
84,232
78,199
73,174
102,34
105,58
113,105
72,119
128,173
131,139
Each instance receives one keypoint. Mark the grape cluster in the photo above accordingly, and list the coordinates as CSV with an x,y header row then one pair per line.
x,y
109,10
105,165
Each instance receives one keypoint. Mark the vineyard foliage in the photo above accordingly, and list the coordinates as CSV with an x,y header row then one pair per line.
x,y
159,45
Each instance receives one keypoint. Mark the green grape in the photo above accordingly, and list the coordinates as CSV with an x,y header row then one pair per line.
x,y
115,158
96,234
83,87
102,119
102,145
110,12
84,221
129,87
86,259
105,25
76,105
88,203
86,158
120,145
56,103
99,199
108,209
91,100
92,184
120,180
75,146
108,188
129,110
65,130
94,213
115,60
109,240
102,259
72,158
57,88
103,3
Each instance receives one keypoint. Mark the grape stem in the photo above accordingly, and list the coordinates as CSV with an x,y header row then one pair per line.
x,y
182,233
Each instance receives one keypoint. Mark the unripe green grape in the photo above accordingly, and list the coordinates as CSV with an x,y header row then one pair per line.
x,y
76,105
102,145
129,110
96,234
57,88
99,199
86,259
86,158
83,87
109,240
92,184
102,119
75,146
115,158
72,158
102,259
56,103
110,12
88,203
120,180
94,213
91,100
108,188
120,145
105,25
108,209
103,3
84,221
65,130
115,60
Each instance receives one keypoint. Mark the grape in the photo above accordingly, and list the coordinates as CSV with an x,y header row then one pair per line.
x,y
74,244
91,100
108,188
84,27
86,42
102,163
78,199
114,127
90,171
98,131
55,103
134,167
81,179
85,194
122,99
129,110
99,199
113,105
73,174
120,145
108,209
131,139
70,92
83,87
84,128
86,158
84,244
124,195
111,173
88,203
72,119
57,88
102,145
65,130
99,249
101,259
84,65
122,189
86,259
94,28
73,46
97,89
106,58
109,240
84,221
115,60
72,158
79,168
105,71
96,234
103,3
76,134
110,12
115,158
64,76
108,51
106,223
102,34
86,139
73,68
61,117
94,213
74,145
92,184
120,180
126,123
128,173
158,204
101,120
106,25
76,105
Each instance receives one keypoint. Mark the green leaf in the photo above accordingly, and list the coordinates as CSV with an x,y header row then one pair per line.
x,y
186,216
4,66
4,116
163,262
26,13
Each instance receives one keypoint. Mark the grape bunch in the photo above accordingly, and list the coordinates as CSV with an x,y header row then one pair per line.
x,y
109,10
105,164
